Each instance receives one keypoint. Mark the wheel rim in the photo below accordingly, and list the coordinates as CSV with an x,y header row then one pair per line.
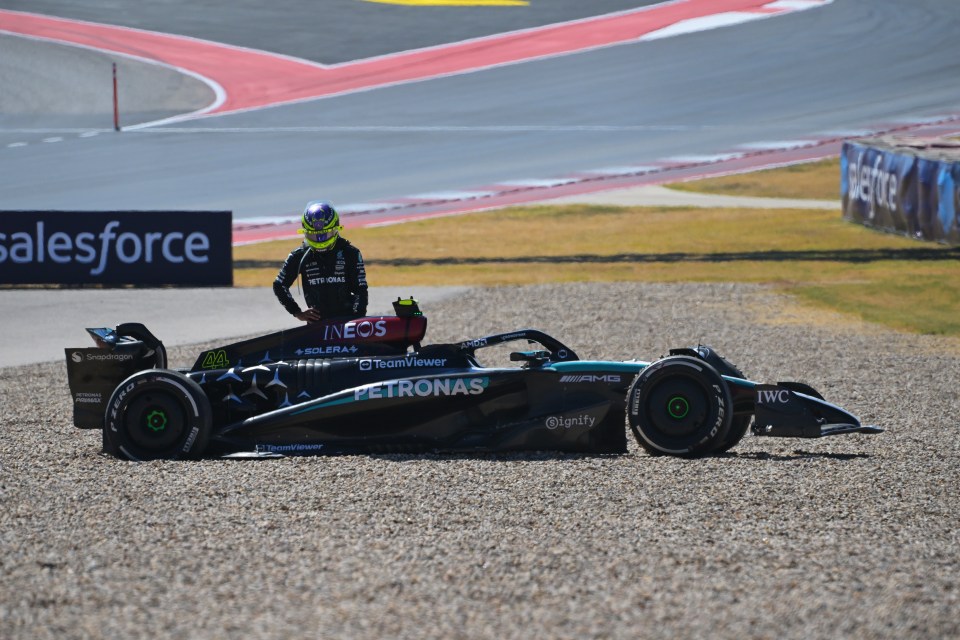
x,y
155,421
677,407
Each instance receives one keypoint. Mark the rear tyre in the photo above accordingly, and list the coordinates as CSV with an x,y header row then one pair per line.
x,y
679,406
157,414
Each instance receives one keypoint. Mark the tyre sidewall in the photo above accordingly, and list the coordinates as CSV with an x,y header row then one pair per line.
x,y
738,429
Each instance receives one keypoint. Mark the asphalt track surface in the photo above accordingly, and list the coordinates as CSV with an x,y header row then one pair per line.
x,y
757,85
836,70
328,32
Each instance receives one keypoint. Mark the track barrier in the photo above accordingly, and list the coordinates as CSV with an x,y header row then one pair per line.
x,y
114,248
904,185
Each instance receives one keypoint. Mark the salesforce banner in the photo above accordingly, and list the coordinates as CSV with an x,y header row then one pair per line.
x,y
148,248
908,189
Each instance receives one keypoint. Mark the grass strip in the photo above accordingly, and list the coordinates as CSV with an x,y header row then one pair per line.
x,y
812,254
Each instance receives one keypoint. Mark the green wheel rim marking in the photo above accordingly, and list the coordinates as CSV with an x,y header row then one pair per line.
x,y
157,420
678,407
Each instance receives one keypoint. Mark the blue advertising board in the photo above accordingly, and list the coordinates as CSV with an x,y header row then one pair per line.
x,y
901,189
145,248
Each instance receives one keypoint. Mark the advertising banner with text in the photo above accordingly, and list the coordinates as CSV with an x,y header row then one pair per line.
x,y
913,191
145,248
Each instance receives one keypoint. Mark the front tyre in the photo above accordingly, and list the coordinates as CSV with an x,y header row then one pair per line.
x,y
157,414
679,406
738,429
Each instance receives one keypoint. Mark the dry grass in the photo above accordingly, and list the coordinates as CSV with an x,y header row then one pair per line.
x,y
578,243
815,180
815,255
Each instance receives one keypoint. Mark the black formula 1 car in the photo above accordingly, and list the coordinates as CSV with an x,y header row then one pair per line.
x,y
366,385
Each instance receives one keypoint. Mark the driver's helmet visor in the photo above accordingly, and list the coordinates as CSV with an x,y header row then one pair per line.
x,y
320,237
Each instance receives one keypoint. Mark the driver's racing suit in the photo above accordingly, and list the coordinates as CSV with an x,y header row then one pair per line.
x,y
334,281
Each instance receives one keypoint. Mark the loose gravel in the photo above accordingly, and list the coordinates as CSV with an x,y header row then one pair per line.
x,y
853,536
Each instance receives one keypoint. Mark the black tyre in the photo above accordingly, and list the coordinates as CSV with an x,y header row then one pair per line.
x,y
679,406
738,429
157,414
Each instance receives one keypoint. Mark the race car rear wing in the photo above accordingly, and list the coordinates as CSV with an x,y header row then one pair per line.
x,y
94,372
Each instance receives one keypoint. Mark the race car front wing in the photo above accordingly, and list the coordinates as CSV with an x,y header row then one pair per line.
x,y
785,412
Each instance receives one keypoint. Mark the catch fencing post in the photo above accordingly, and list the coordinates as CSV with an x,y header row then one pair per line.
x,y
116,106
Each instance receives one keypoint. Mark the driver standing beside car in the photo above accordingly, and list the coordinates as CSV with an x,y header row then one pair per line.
x,y
333,277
